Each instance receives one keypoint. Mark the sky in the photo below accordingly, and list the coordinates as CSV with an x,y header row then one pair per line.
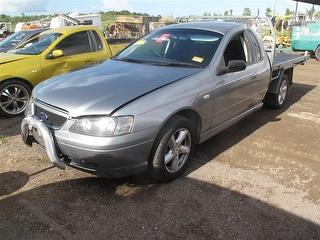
x,y
154,7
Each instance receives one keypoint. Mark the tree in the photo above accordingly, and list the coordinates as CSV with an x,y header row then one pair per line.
x,y
268,12
311,12
125,12
289,12
231,12
246,12
226,13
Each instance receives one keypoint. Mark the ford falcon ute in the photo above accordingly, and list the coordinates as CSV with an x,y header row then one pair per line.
x,y
145,109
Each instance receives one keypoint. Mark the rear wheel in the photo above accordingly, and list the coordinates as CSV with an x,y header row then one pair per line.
x,y
317,53
278,99
172,150
14,98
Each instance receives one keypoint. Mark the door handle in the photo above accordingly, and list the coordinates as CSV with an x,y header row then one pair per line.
x,y
88,61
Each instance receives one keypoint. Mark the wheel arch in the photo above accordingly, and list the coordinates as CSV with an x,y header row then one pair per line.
x,y
18,79
189,113
315,52
275,83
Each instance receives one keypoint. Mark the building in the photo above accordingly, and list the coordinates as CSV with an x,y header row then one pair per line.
x,y
131,26
75,19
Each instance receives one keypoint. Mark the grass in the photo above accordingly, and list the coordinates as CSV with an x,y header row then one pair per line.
x,y
3,140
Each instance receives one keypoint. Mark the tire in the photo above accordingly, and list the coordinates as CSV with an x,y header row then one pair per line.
x,y
161,168
317,53
18,93
277,100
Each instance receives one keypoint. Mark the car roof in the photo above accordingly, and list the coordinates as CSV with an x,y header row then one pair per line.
x,y
72,29
220,27
33,31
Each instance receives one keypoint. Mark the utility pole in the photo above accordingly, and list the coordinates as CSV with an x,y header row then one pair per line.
x,y
296,12
274,7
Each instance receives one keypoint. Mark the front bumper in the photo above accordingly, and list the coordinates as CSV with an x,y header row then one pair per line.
x,y
34,130
112,161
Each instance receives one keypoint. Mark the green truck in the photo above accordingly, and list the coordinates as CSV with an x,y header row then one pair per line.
x,y
307,38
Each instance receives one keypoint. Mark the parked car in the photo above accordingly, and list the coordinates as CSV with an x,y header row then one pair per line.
x,y
306,38
17,38
147,108
4,30
51,53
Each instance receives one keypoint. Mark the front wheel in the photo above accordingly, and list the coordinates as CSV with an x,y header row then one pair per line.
x,y
172,150
317,53
14,98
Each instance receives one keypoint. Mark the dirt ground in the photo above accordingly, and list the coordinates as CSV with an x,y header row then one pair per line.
x,y
257,180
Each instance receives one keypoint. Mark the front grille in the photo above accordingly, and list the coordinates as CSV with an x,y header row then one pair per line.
x,y
51,119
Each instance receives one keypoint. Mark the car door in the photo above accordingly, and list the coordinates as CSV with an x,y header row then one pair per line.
x,y
77,52
235,92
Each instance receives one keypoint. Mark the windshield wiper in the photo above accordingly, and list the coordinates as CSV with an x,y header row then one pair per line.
x,y
159,63
128,60
179,64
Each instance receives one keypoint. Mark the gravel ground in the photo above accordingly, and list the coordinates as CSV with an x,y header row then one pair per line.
x,y
257,180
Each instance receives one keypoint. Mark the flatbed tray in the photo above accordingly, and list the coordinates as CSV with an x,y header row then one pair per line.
x,y
287,60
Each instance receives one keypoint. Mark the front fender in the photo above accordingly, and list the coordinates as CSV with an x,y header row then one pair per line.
x,y
154,109
28,69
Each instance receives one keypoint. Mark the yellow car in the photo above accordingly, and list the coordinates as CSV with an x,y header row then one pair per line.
x,y
51,53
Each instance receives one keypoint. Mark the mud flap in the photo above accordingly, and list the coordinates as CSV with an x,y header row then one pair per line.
x,y
275,84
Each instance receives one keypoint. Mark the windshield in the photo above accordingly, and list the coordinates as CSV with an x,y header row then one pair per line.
x,y
173,47
13,40
38,45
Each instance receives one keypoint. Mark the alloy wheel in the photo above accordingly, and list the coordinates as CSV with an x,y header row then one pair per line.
x,y
14,99
177,150
282,92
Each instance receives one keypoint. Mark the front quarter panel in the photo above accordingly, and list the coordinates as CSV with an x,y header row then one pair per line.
x,y
28,69
154,109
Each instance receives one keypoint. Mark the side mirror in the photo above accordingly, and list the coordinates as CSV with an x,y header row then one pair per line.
x,y
233,66
57,53
236,66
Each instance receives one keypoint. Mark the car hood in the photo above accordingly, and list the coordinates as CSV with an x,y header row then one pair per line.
x,y
10,57
103,88
5,48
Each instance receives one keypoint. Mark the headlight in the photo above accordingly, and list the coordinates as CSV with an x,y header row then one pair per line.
x,y
103,126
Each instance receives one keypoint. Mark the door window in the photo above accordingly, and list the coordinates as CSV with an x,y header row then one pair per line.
x,y
98,41
254,47
76,43
237,49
